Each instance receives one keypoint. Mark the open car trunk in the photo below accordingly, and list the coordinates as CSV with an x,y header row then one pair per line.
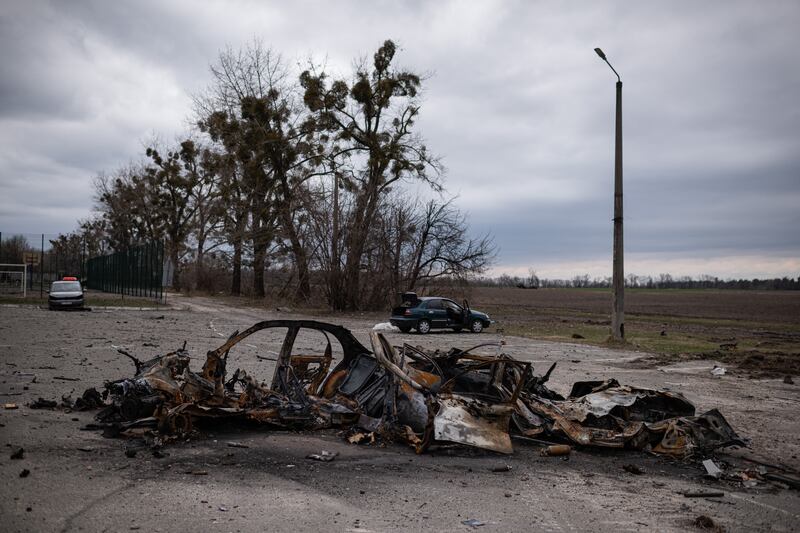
x,y
408,300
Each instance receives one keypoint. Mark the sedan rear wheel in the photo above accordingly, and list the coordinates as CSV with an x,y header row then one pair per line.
x,y
423,326
476,326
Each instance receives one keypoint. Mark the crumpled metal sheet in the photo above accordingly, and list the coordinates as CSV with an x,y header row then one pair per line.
x,y
407,394
652,404
473,422
602,398
685,436
560,425
627,417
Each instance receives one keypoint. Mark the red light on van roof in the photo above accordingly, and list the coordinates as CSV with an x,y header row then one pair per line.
x,y
69,278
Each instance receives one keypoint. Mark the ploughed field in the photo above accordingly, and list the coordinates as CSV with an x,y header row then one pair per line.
x,y
757,333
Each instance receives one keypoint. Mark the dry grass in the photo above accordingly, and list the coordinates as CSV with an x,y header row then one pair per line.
x,y
92,298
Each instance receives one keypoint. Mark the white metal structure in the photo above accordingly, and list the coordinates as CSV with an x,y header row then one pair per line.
x,y
7,277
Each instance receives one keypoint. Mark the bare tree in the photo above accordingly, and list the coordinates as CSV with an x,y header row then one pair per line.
x,y
373,118
298,173
13,249
172,182
209,212
126,207
532,281
442,247
240,76
251,107
232,188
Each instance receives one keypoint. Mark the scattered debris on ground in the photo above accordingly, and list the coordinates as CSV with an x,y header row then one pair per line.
x,y
91,399
704,494
555,450
325,456
789,481
712,470
41,403
633,469
755,363
706,523
405,394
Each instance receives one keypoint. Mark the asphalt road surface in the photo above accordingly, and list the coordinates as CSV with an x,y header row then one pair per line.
x,y
80,481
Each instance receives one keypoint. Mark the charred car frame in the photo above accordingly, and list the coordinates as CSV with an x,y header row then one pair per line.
x,y
406,394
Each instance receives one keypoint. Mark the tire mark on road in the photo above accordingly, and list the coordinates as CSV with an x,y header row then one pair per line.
x,y
68,522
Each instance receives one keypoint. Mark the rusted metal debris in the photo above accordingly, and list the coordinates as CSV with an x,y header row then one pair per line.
x,y
405,394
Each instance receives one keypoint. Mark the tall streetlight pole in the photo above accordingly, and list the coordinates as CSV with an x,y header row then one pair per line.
x,y
618,280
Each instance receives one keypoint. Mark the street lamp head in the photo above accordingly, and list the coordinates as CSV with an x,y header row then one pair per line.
x,y
603,57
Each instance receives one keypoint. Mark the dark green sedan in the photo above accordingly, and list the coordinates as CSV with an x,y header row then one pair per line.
x,y
430,312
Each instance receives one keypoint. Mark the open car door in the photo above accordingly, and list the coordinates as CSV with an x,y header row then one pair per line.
x,y
465,313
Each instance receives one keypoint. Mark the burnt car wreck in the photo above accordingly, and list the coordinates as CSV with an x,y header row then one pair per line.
x,y
405,394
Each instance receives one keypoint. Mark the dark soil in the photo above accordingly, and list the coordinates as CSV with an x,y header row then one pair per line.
x,y
755,333
782,307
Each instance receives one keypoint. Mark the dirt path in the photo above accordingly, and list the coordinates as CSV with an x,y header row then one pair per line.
x,y
80,481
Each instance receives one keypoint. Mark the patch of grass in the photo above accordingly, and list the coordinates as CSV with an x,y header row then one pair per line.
x,y
91,301
124,303
682,335
709,322
671,344
14,300
557,331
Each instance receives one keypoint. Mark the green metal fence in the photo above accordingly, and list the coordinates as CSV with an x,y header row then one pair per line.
x,y
137,271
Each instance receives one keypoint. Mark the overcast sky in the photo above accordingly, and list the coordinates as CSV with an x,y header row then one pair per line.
x,y
517,104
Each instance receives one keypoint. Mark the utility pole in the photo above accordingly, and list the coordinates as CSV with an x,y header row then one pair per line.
x,y
618,281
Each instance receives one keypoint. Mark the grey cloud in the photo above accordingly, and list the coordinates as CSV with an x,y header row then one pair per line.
x,y
518,106
33,81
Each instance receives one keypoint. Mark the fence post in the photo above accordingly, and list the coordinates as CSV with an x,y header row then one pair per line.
x,y
161,270
41,269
